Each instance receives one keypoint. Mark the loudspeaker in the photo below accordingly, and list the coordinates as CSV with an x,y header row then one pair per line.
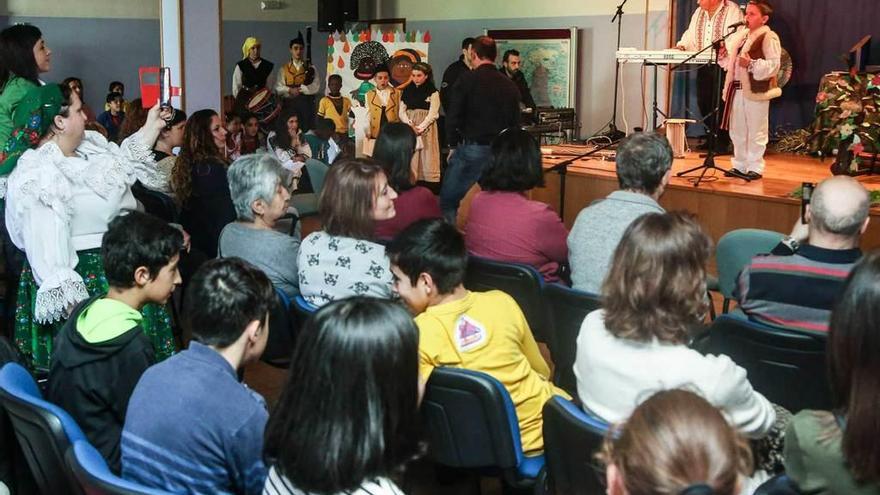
x,y
333,14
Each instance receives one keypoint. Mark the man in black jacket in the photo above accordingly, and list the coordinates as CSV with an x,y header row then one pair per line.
x,y
454,71
102,351
485,102
510,66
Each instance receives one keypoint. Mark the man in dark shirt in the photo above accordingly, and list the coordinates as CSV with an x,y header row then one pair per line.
x,y
454,71
510,66
485,103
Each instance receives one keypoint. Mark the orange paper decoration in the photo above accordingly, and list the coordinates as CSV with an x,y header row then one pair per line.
x,y
346,47
340,63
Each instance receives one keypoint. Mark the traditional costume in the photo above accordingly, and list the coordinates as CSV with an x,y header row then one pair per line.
x,y
248,75
420,108
293,75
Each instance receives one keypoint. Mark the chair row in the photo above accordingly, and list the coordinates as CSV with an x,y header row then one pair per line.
x,y
60,458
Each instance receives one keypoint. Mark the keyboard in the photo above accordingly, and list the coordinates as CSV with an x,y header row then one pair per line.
x,y
669,56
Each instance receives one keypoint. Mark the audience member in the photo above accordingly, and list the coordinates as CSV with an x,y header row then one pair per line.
x,y
291,85
382,102
76,85
796,285
482,331
353,439
102,351
510,67
289,145
170,137
836,451
59,201
653,297
336,107
341,260
134,118
676,442
394,151
258,185
233,135
23,57
537,237
199,181
118,87
320,140
252,72
644,162
112,118
486,102
251,140
191,425
454,71
420,108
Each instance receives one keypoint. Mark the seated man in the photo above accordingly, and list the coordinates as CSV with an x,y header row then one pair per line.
x,y
644,162
192,427
101,352
481,331
796,285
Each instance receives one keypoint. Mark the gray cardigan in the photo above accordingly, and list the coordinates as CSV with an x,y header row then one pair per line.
x,y
273,252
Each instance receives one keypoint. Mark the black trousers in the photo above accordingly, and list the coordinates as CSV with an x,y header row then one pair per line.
x,y
706,102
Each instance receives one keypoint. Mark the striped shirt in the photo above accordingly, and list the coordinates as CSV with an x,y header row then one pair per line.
x,y
796,291
277,484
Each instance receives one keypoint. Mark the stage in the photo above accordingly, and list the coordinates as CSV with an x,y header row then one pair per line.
x,y
721,203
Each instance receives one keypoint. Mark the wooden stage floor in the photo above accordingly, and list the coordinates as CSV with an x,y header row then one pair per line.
x,y
721,203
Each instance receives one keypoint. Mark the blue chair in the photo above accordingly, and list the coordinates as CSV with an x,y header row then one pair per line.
x,y
787,367
571,438
282,332
44,430
521,282
780,484
92,473
566,309
307,204
734,251
156,203
472,423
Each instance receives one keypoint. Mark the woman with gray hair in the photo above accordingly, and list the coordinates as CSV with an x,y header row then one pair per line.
x,y
258,185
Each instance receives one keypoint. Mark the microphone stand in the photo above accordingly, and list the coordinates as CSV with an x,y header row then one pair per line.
x,y
562,169
709,162
614,133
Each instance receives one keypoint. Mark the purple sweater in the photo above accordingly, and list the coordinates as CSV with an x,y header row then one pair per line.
x,y
507,226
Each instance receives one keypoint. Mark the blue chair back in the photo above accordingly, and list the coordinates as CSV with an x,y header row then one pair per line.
x,y
566,310
44,430
282,332
734,251
571,439
787,367
91,471
317,173
521,282
156,203
472,423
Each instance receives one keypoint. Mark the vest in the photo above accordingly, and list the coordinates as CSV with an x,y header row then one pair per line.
x,y
752,89
374,107
254,77
294,76
756,52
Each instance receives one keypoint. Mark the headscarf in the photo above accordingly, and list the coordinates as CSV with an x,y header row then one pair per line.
x,y
30,121
248,44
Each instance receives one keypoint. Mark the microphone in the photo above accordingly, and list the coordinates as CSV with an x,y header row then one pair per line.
x,y
736,25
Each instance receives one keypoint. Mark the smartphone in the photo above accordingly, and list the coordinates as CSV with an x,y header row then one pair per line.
x,y
806,196
164,87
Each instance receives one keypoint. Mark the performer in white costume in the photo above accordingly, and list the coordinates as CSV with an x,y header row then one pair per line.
x,y
752,64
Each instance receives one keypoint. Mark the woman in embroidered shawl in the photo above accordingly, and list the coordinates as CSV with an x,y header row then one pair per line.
x,y
60,198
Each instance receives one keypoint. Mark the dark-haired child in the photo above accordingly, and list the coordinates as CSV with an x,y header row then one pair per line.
x,y
481,331
112,118
102,351
335,107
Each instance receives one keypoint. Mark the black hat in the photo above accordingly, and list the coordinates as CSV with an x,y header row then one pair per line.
x,y
298,40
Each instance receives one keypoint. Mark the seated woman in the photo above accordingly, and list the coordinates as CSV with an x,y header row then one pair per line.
x,y
675,442
199,181
288,144
837,451
503,223
654,294
341,260
258,186
354,439
394,150
61,197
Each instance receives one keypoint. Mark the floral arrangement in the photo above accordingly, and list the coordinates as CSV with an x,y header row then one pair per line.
x,y
847,119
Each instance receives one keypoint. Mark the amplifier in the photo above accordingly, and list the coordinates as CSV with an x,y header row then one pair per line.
x,y
555,116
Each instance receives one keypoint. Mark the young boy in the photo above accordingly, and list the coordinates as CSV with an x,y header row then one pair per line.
x,y
335,107
383,103
481,331
113,117
192,426
320,141
101,351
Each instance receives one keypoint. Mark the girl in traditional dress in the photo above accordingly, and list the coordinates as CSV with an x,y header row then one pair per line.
x,y
59,202
420,108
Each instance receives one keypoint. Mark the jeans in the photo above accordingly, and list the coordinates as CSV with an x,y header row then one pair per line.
x,y
462,172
